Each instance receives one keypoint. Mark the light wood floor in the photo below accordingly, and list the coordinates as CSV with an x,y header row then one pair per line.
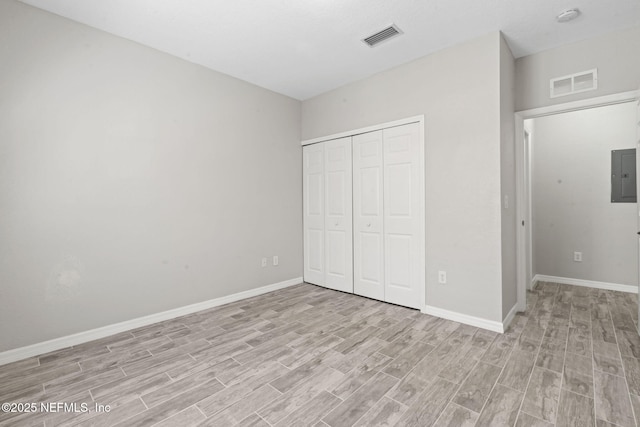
x,y
310,356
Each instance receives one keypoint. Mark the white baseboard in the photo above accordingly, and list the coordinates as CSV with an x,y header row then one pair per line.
x,y
478,322
586,283
94,334
507,320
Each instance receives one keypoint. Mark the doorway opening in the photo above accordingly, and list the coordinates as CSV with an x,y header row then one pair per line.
x,y
556,219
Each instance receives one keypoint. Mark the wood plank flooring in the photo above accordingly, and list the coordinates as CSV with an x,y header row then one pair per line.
x,y
306,355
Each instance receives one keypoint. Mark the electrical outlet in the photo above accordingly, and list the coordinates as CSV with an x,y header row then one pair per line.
x,y
577,256
264,262
275,260
442,277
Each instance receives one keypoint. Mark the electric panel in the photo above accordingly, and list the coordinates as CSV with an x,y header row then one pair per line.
x,y
623,176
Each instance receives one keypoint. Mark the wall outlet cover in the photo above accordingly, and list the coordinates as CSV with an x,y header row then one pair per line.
x,y
442,277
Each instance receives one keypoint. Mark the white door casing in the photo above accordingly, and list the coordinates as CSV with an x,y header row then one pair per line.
x,y
338,217
368,215
638,183
313,213
403,264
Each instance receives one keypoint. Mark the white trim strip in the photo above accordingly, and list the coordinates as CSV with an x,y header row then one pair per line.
x,y
94,334
478,322
586,283
373,128
599,101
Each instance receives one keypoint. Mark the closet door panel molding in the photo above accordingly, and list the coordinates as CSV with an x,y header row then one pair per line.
x,y
368,219
338,215
364,212
403,219
313,213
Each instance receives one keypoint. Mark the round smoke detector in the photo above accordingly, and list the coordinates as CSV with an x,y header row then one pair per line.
x,y
568,15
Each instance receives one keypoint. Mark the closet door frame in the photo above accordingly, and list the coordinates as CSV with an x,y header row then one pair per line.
x,y
421,232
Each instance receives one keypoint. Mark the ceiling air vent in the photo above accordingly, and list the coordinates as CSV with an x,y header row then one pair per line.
x,y
383,35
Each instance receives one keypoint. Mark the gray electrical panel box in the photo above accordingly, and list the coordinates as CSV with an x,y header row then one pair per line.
x,y
623,176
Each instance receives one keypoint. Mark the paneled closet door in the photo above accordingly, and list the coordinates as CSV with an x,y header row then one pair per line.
x,y
368,225
338,217
313,213
403,218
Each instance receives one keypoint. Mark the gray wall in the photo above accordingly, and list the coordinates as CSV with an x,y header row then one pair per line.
x,y
508,178
458,91
132,182
571,196
615,55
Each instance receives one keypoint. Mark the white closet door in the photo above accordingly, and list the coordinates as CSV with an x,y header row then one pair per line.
x,y
338,218
313,213
403,218
368,225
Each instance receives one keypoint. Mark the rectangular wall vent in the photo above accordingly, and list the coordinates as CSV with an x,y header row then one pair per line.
x,y
383,35
574,83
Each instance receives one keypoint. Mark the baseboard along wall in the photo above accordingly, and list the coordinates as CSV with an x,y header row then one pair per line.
x,y
478,322
94,334
586,283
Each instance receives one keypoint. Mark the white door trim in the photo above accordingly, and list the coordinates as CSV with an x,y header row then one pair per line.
x,y
521,211
400,122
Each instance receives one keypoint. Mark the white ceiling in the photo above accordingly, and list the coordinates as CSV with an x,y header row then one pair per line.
x,y
302,48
